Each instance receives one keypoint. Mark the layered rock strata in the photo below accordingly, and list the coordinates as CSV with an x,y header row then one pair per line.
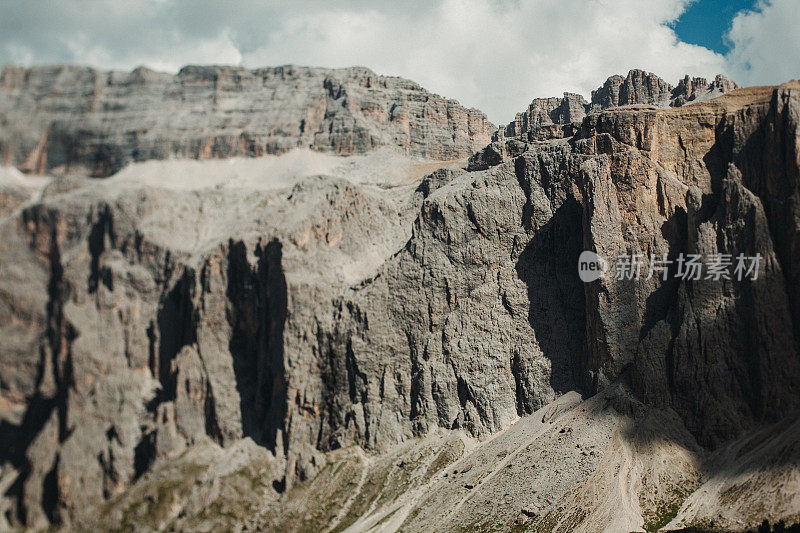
x,y
81,120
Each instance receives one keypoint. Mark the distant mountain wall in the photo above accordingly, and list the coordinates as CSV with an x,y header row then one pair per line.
x,y
80,120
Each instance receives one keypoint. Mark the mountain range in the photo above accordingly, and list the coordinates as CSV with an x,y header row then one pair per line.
x,y
306,299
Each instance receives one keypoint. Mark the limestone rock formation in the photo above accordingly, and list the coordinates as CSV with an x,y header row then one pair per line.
x,y
310,341
638,87
699,89
552,118
548,111
78,119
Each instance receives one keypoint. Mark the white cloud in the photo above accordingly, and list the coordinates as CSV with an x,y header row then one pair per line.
x,y
492,54
217,50
766,43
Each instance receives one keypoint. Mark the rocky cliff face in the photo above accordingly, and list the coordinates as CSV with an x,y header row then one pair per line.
x,y
721,205
638,87
205,353
76,119
699,89
550,118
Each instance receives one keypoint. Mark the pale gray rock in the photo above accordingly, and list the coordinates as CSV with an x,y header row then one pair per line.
x,y
81,120
544,112
638,87
699,89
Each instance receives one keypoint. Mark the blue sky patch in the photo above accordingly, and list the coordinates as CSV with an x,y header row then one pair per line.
x,y
706,22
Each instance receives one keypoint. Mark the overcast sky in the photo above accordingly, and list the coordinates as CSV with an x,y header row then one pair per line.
x,y
495,55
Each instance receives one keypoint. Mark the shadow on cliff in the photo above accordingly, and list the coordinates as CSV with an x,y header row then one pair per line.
x,y
745,331
16,439
769,163
257,314
548,266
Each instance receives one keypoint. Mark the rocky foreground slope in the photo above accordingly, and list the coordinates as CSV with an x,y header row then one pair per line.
x,y
311,342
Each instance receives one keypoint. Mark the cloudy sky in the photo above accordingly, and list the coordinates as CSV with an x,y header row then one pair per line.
x,y
492,54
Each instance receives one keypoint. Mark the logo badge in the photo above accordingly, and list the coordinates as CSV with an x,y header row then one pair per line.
x,y
591,266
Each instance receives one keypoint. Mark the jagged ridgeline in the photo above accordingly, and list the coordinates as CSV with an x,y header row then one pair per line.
x,y
385,329
548,118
